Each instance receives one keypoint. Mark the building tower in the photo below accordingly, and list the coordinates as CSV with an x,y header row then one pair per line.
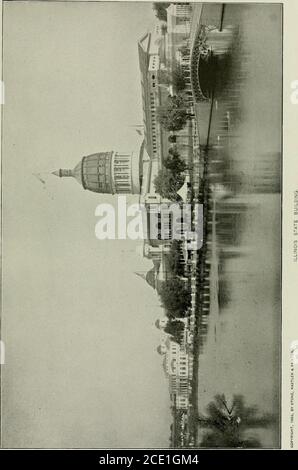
x,y
108,172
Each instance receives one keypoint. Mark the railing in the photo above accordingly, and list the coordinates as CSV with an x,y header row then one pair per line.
x,y
196,55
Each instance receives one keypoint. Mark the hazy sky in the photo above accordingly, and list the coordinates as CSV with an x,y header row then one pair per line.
x,y
81,363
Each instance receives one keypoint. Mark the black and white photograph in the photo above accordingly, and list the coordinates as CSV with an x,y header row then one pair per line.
x,y
142,155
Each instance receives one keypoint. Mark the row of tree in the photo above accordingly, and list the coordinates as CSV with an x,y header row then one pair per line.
x,y
175,328
175,297
175,258
171,176
173,116
175,78
174,113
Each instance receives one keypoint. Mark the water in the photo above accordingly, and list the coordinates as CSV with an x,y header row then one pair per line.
x,y
241,353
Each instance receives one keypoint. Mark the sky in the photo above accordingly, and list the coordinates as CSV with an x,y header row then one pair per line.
x,y
81,363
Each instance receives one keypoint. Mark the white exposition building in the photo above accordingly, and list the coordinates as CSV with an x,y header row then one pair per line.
x,y
178,368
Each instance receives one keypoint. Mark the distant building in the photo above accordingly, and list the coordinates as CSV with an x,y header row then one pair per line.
x,y
177,365
178,20
149,62
161,323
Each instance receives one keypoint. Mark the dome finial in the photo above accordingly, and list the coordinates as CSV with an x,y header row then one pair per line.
x,y
62,172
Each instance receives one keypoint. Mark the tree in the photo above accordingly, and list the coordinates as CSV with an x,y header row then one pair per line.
x,y
173,151
175,78
185,50
160,10
174,163
167,183
172,119
164,29
172,139
164,77
227,426
174,263
175,297
178,79
175,329
174,114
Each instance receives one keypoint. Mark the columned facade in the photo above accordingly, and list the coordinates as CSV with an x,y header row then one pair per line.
x,y
125,173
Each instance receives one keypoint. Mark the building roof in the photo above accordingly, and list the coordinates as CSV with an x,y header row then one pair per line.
x,y
151,277
93,172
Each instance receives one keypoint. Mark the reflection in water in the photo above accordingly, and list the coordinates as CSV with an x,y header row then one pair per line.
x,y
240,352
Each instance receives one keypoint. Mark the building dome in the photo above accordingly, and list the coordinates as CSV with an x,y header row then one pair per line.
x,y
151,277
161,349
107,172
161,323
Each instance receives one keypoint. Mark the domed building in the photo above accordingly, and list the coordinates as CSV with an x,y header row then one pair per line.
x,y
163,347
161,323
108,172
178,368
